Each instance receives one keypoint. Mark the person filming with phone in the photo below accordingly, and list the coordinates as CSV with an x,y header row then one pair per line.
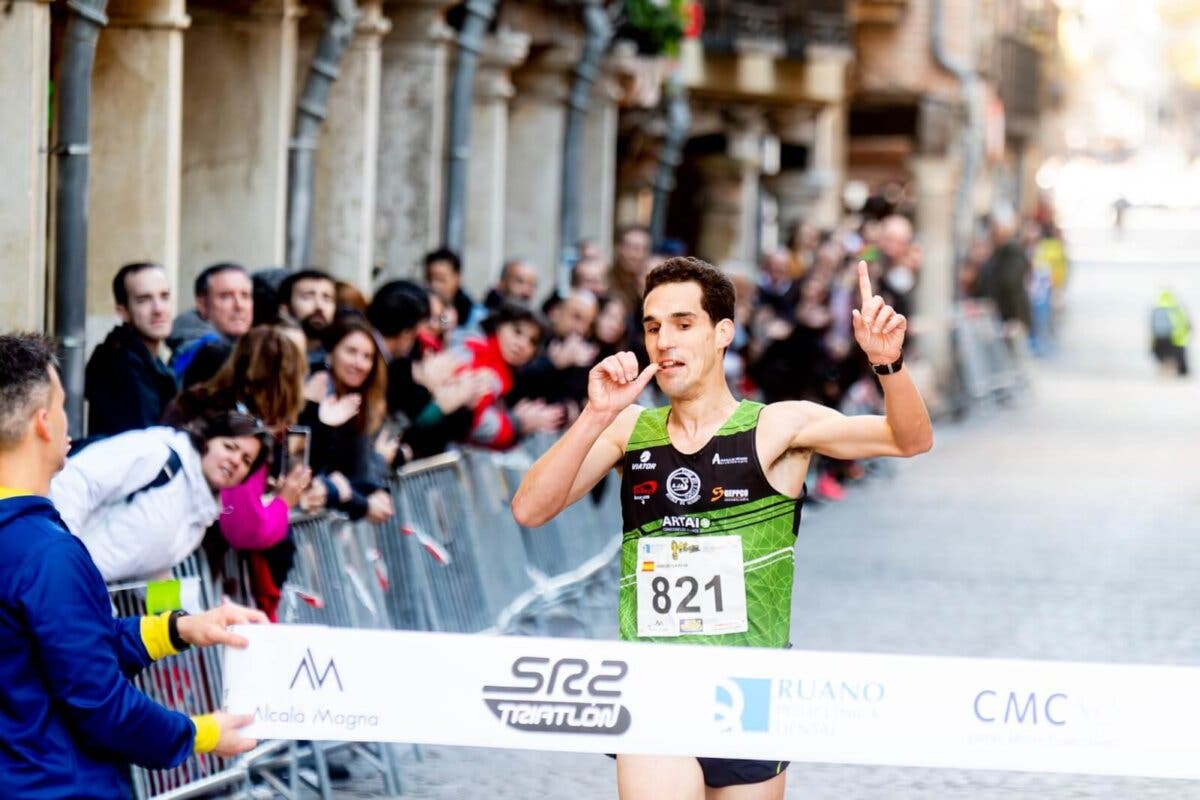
x,y
265,378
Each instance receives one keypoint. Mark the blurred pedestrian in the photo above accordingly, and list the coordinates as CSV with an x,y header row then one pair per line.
x,y
127,385
1004,276
1171,332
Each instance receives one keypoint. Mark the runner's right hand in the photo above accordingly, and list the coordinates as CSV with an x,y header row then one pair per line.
x,y
232,742
614,383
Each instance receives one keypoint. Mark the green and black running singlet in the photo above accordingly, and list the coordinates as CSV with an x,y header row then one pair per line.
x,y
707,552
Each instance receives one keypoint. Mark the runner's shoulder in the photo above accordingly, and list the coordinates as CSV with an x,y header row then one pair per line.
x,y
621,428
782,421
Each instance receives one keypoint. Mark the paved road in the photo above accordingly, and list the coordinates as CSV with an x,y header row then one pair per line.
x,y
1063,528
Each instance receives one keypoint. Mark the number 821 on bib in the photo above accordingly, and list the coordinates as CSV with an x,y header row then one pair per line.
x,y
690,585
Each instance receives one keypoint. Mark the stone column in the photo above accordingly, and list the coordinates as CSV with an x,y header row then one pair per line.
x,y
488,167
794,187
239,94
24,129
348,156
597,206
412,134
729,229
935,178
537,123
828,163
134,192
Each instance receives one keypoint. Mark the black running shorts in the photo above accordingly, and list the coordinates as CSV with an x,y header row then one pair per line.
x,y
720,772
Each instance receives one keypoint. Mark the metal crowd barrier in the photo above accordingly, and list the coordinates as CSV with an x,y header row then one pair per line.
x,y
992,359
451,558
191,683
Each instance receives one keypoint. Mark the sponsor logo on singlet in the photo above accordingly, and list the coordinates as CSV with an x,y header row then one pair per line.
x,y
720,493
683,487
724,462
643,462
644,491
683,522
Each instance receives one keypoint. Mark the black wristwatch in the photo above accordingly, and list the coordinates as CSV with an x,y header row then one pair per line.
x,y
889,369
173,631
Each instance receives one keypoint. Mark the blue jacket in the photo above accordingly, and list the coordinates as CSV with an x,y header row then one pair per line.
x,y
71,721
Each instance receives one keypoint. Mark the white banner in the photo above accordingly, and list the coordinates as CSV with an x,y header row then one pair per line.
x,y
312,682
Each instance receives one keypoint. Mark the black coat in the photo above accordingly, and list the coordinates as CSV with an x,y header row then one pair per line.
x,y
343,449
126,387
426,434
1002,279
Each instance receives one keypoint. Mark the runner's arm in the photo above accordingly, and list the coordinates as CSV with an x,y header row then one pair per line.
x,y
904,431
567,471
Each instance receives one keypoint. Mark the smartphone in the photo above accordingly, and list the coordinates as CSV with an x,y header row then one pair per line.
x,y
297,442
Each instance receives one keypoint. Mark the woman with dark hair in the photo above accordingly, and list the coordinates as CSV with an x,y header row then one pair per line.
x,y
611,328
512,335
141,501
264,377
347,403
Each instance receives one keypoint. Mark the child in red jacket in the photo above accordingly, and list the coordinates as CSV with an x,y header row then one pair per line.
x,y
512,335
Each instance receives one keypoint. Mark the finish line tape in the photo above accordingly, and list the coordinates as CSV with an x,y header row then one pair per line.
x,y
337,684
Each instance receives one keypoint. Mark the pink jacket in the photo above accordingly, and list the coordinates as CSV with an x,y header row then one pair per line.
x,y
247,523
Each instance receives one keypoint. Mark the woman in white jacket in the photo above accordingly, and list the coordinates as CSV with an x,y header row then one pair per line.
x,y
142,500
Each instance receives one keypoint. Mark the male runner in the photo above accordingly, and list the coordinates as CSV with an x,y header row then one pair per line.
x,y
719,479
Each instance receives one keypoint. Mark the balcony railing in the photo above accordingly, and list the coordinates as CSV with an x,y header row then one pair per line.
x,y
783,27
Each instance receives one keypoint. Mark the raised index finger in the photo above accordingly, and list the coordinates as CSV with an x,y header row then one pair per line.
x,y
864,282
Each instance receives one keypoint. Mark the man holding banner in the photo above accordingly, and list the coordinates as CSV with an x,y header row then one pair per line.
x,y
71,722
711,491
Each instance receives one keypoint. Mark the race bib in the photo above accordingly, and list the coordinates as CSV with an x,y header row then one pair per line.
x,y
690,585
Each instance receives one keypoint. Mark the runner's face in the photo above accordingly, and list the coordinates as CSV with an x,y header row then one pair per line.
x,y
681,338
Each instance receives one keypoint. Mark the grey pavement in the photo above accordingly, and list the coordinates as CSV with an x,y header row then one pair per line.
x,y
1062,527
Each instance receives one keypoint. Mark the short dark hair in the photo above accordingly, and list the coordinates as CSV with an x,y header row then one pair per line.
x,y
25,362
119,289
397,306
200,288
307,274
717,295
508,312
443,254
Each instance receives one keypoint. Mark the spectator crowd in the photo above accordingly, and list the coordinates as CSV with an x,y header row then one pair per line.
x,y
188,416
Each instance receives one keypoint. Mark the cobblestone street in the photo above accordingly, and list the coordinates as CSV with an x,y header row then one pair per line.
x,y
1060,527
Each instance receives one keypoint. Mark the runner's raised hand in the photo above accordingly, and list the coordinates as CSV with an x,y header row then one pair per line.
x,y
615,383
878,328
